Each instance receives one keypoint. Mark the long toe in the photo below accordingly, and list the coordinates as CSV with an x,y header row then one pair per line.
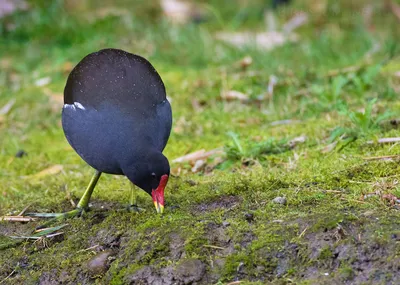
x,y
66,215
135,209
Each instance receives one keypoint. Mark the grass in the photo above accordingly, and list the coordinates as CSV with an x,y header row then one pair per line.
x,y
324,100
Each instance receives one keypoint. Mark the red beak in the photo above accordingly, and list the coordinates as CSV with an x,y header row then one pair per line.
x,y
158,194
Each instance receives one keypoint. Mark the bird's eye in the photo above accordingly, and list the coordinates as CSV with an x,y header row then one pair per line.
x,y
153,175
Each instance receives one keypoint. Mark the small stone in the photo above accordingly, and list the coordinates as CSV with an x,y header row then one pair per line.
x,y
279,200
190,271
99,263
260,269
226,224
249,217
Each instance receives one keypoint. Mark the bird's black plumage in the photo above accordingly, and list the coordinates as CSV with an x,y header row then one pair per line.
x,y
117,117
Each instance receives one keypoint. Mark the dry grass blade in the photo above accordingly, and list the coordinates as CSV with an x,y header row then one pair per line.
x,y
303,232
89,248
213,246
385,157
43,233
24,210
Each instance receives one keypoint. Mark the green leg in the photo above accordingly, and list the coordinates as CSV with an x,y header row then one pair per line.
x,y
83,204
84,201
133,207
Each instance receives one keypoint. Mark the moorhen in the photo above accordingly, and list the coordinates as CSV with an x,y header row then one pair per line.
x,y
117,118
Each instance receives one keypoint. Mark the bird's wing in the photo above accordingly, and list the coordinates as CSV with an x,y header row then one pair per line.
x,y
164,115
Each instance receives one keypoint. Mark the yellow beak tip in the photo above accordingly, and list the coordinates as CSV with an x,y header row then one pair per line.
x,y
159,208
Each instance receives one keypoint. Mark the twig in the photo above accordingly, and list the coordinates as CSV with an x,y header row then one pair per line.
x,y
333,191
234,282
385,140
213,246
17,219
89,248
9,275
345,70
385,157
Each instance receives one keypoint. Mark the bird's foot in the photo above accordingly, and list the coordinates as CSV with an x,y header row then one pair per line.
x,y
132,208
55,217
78,212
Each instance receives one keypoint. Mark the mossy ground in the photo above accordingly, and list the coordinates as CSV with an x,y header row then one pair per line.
x,y
224,219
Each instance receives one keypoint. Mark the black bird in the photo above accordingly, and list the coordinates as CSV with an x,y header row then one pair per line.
x,y
117,118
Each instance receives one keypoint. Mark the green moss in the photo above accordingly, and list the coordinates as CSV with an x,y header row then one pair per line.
x,y
346,272
325,253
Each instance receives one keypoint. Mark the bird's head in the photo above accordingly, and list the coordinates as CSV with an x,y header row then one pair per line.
x,y
151,174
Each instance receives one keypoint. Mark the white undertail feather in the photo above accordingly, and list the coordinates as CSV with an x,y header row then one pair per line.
x,y
74,106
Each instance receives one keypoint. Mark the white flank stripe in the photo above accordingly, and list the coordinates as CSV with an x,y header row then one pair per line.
x,y
79,105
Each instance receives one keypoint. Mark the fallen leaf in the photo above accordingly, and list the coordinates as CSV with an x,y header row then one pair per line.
x,y
394,8
67,67
329,147
294,142
52,170
246,62
234,95
105,12
392,199
43,81
264,41
295,22
198,165
7,107
181,12
197,155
